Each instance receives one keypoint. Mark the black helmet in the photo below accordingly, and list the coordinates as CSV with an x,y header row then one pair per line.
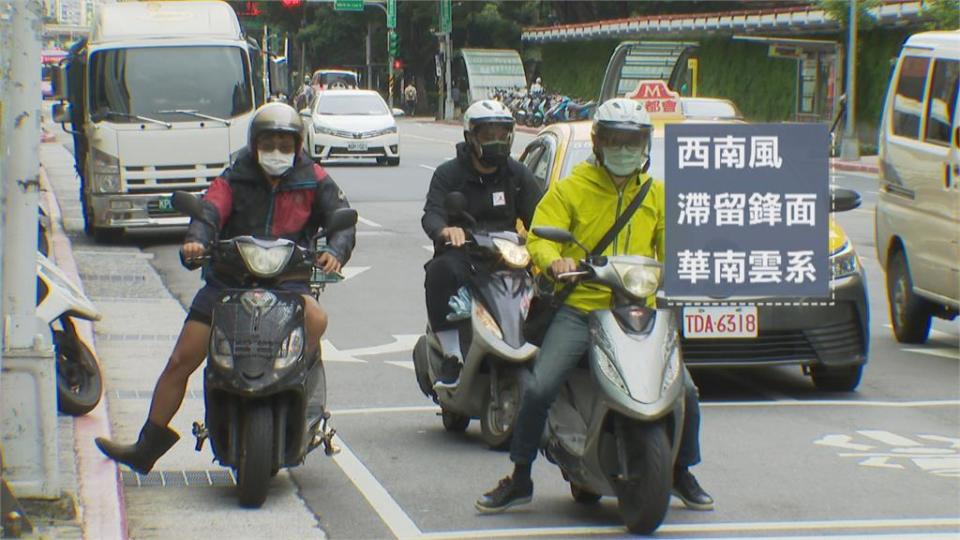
x,y
275,117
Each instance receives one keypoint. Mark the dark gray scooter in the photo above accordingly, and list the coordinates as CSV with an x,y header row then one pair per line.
x,y
265,400
615,426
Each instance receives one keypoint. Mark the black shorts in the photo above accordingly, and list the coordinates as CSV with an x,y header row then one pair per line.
x,y
201,309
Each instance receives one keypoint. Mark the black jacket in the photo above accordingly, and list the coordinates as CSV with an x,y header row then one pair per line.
x,y
496,204
242,202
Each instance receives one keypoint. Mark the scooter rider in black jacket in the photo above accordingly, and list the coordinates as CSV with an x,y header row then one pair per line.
x,y
271,189
499,190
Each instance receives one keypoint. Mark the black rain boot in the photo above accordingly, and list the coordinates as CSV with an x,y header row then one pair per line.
x,y
154,442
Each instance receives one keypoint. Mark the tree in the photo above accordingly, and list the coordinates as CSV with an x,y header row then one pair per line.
x,y
941,14
839,10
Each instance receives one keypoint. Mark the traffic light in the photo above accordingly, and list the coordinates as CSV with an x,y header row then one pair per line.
x,y
290,4
393,43
398,64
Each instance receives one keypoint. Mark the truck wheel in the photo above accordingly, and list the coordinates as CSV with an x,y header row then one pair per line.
x,y
643,499
910,315
256,456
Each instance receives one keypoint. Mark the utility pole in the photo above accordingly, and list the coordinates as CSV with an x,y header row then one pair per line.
x,y
368,51
29,380
850,145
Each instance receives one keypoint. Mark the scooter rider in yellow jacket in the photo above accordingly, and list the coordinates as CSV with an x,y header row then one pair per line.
x,y
587,203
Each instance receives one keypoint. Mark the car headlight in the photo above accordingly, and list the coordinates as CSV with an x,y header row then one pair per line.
x,y
290,349
220,350
844,262
513,254
106,172
386,131
265,262
486,319
319,128
639,280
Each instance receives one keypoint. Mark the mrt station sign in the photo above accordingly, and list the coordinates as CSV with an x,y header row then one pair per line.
x,y
747,211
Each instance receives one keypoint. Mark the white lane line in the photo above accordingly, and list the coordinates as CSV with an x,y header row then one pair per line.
x,y
429,168
698,528
368,222
383,410
709,404
431,139
771,395
933,332
390,512
408,364
834,403
942,353
428,247
350,272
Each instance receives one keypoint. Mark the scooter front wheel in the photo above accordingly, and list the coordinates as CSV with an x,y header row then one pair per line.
x,y
256,456
454,422
79,381
644,498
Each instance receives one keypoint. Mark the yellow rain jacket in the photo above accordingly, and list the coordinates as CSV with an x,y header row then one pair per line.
x,y
587,203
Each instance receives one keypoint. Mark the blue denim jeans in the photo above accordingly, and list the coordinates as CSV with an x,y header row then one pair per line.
x,y
565,343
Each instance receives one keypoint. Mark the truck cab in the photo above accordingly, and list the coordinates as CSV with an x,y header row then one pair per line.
x,y
159,100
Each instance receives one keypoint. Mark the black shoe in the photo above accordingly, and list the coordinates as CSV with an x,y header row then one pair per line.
x,y
449,376
507,493
688,490
140,456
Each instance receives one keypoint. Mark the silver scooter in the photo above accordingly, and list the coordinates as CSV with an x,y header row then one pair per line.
x,y
615,427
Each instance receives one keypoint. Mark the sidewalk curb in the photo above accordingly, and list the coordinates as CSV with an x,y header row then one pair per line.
x,y
100,491
838,165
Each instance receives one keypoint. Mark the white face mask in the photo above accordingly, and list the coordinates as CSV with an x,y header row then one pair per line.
x,y
625,160
275,163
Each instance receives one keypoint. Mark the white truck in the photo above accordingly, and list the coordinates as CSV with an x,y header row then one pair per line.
x,y
159,99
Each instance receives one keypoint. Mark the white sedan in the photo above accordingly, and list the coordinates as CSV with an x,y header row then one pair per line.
x,y
351,124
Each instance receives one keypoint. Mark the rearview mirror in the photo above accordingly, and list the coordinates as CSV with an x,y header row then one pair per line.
x,y
398,112
305,112
341,219
455,203
553,234
843,199
58,77
189,204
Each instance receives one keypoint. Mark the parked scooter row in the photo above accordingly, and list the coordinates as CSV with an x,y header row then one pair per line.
x,y
538,109
615,427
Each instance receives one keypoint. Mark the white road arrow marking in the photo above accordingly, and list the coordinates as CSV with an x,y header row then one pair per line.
x,y
942,353
353,271
889,438
842,441
400,343
408,364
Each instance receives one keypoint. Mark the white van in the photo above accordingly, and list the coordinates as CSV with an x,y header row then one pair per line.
x,y
918,211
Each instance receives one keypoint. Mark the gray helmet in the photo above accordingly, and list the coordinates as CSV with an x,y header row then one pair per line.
x,y
277,117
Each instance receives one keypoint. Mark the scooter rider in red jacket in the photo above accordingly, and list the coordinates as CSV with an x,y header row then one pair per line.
x,y
271,189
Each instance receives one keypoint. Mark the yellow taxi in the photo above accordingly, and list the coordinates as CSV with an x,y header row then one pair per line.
x,y
828,339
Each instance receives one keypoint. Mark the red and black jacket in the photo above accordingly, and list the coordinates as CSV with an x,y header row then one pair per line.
x,y
242,202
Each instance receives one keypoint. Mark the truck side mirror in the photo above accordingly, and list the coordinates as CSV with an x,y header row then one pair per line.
x,y
58,76
61,112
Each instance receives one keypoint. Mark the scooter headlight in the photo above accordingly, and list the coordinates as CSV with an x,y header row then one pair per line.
x,y
265,262
220,350
513,254
290,350
486,319
639,280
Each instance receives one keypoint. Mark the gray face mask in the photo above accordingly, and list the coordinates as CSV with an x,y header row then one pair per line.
x,y
624,160
494,154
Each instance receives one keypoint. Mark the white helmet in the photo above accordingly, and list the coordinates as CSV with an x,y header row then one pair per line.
x,y
483,113
486,111
619,123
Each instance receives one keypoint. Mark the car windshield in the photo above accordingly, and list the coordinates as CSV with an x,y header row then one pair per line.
x,y
142,81
581,150
351,105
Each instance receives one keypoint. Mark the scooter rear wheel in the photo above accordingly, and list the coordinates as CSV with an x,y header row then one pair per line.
x,y
644,497
79,381
256,456
498,419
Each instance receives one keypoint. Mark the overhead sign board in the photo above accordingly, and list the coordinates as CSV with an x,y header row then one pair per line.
x,y
657,97
348,5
